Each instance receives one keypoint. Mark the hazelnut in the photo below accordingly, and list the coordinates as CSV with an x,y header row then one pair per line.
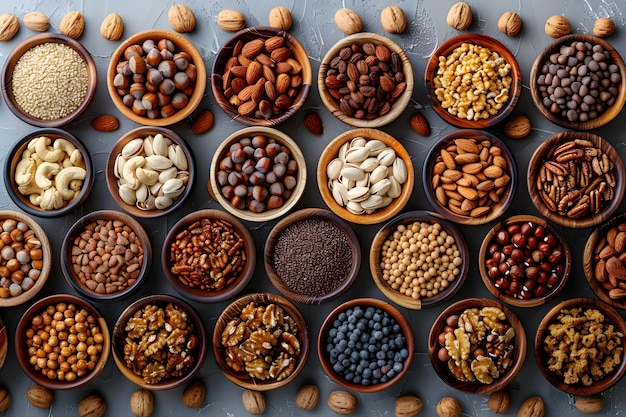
x,y
532,407
193,396
557,26
307,397
72,24
348,21
408,406
604,26
448,407
280,18
342,402
393,19
141,403
181,18
499,402
510,23
459,16
517,127
253,401
40,397
589,404
112,27
5,399
36,21
93,405
231,20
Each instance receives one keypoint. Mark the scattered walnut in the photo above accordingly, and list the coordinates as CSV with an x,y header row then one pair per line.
x,y
449,407
307,397
393,19
603,27
9,25
510,23
72,24
112,27
517,127
348,21
499,402
142,403
253,401
459,16
193,396
181,18
36,21
280,18
557,26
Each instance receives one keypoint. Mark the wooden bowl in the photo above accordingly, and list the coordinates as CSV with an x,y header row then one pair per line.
x,y
446,49
339,283
465,217
545,151
609,114
187,175
13,180
610,314
517,357
378,215
365,303
22,348
197,337
73,236
269,213
332,103
233,311
183,283
46,249
182,44
4,343
405,220
561,275
18,52
223,92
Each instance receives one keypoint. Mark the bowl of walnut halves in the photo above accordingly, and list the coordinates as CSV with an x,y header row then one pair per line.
x,y
261,341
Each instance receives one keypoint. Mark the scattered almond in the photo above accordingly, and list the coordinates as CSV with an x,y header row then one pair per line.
x,y
307,397
93,405
448,407
499,402
532,407
557,26
40,397
313,122
589,404
342,402
181,18
112,27
510,23
9,25
459,16
420,124
105,123
203,123
193,396
603,27
393,19
5,399
36,21
253,401
408,406
72,24
280,18
231,20
348,21
517,127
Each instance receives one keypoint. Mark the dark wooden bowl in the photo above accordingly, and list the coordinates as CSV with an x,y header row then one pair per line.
x,y
544,152
393,312
441,367
396,296
4,343
16,54
541,357
445,49
609,114
274,236
232,288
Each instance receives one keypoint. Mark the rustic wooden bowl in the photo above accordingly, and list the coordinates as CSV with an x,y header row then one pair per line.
x,y
393,312
226,52
609,114
499,293
40,233
119,335
112,181
182,44
21,348
78,228
233,310
493,45
15,155
274,236
540,356
4,343
545,149
232,288
441,367
268,214
16,54
497,209
379,215
375,258
332,104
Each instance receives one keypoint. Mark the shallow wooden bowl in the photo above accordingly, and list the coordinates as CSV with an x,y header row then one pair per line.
x,y
226,52
182,44
364,303
119,335
541,154
476,387
379,215
543,331
494,45
332,104
609,114
376,252
231,288
232,311
274,237
21,347
16,54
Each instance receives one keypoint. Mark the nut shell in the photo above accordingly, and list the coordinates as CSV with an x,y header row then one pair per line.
x,y
280,18
193,396
532,407
142,403
589,404
557,26
36,21
9,25
603,27
342,402
459,16
393,19
231,20
5,399
112,27
499,402
408,406
72,24
517,127
40,397
348,21
307,397
253,401
181,18
93,405
449,407
510,23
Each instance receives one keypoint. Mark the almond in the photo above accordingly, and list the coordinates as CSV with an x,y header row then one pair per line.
x,y
383,53
281,54
246,108
466,145
274,42
105,123
9,25
181,18
620,242
203,123
112,27
254,72
283,101
283,82
420,124
313,122
253,48
36,21
72,24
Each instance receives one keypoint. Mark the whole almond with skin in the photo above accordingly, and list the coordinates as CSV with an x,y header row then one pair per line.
x,y
499,402
9,25
307,397
590,404
448,407
231,20
181,18
203,123
142,403
393,19
36,21
517,127
557,26
193,396
532,407
5,399
112,27
72,24
313,122
342,402
510,23
348,21
93,405
40,397
408,406
603,27
459,16
280,18
420,124
253,401
105,123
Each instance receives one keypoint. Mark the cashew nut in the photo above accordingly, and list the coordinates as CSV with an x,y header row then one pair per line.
x,y
46,153
25,171
35,199
30,188
63,178
44,172
76,158
128,171
147,176
64,145
51,199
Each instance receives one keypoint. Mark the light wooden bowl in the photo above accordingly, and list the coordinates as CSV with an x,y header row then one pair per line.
x,y
379,215
609,114
332,104
543,153
445,49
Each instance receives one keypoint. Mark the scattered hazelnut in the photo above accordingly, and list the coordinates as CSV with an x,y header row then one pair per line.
x,y
532,407
557,26
193,396
307,397
448,407
510,23
348,21
517,127
36,21
253,401
93,405
9,25
499,402
231,20
460,16
342,402
181,18
393,20
5,399
408,406
142,403
280,18
72,24
604,26
112,27
589,404
40,397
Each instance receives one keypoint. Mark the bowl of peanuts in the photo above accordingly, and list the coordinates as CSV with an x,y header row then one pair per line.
x,y
418,260
106,255
365,80
261,76
208,256
261,341
179,348
34,72
62,342
48,173
477,345
171,74
473,81
576,179
579,346
26,258
470,177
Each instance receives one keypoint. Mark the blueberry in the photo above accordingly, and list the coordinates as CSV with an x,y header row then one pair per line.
x,y
398,366
375,381
372,348
349,376
358,312
385,369
397,357
372,365
381,362
352,367
361,326
386,321
340,336
366,381
357,379
367,373
343,329
336,323
364,354
376,373
369,313
377,317
358,345
384,378
351,344
332,333
359,369
352,319
341,357
405,353
346,363
341,316
333,353
377,326
380,355
378,335
338,368
391,373
399,341
384,347
354,355
396,328
392,345
364,338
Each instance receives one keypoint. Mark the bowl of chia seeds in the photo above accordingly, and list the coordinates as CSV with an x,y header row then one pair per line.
x,y
312,256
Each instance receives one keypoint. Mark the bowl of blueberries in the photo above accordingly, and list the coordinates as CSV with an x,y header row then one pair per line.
x,y
365,345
